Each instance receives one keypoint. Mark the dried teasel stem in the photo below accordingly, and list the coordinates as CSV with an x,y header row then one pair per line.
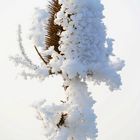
x,y
52,37
62,120
40,55
46,62
26,59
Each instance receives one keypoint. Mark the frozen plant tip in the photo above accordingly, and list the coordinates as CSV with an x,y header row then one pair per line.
x,y
25,61
74,44
53,30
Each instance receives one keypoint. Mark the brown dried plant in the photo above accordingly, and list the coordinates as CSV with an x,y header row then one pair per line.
x,y
52,37
62,120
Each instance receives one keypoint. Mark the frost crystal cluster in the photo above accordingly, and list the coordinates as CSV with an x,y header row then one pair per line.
x,y
85,50
74,118
74,43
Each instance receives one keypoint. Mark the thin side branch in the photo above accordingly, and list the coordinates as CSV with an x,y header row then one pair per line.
x,y
22,50
40,55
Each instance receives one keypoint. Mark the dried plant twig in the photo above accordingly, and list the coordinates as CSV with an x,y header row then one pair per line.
x,y
52,37
40,55
22,50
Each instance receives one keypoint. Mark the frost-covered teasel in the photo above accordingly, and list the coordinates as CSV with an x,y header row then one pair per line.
x,y
73,119
74,43
84,49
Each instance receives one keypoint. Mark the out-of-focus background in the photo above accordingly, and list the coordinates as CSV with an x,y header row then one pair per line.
x,y
118,113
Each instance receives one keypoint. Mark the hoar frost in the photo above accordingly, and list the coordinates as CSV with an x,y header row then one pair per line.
x,y
81,50
79,118
84,44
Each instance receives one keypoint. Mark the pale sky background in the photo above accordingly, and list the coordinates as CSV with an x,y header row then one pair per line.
x,y
118,113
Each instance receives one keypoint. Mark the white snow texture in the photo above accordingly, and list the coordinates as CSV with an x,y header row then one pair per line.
x,y
79,120
84,43
87,54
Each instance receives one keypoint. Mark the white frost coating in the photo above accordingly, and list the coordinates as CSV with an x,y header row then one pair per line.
x,y
80,120
85,53
84,44
23,60
37,31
